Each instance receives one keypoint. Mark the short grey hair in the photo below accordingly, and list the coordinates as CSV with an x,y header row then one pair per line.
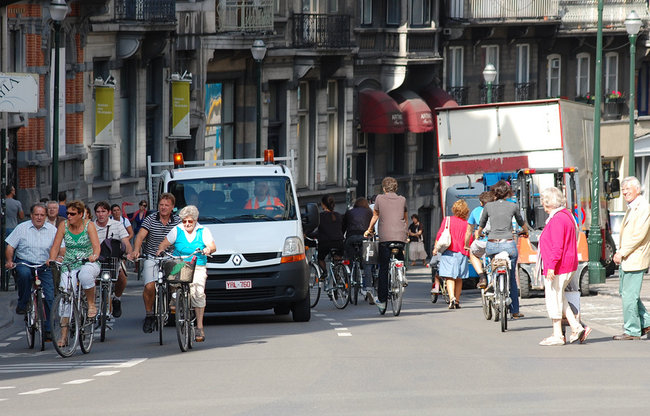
x,y
631,181
553,198
50,202
189,211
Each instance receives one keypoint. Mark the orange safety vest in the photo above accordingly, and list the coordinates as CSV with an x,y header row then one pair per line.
x,y
268,203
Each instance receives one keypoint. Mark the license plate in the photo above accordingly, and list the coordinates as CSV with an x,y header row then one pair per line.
x,y
239,284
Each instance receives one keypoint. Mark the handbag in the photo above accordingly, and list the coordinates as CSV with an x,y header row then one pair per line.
x,y
370,251
444,241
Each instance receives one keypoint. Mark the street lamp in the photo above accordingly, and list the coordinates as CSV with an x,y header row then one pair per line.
x,y
632,25
58,10
489,75
258,50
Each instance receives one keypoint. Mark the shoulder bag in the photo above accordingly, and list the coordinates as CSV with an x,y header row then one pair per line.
x,y
444,241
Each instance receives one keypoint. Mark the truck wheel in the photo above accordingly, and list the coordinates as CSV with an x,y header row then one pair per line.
x,y
584,281
301,310
524,283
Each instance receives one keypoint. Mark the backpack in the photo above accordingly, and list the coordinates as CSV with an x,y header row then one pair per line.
x,y
110,247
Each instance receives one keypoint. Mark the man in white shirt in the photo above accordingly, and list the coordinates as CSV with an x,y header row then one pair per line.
x,y
110,228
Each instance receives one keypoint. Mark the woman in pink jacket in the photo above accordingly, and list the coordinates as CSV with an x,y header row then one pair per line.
x,y
559,256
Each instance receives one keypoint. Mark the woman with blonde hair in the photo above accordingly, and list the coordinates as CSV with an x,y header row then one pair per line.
x,y
453,261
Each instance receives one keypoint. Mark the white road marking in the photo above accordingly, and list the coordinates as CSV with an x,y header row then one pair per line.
x,y
80,381
106,373
132,363
329,319
2,400
64,365
340,329
319,314
3,344
13,339
335,323
7,387
40,391
344,334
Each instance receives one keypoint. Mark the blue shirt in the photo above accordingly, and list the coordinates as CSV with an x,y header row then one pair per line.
x,y
31,243
475,216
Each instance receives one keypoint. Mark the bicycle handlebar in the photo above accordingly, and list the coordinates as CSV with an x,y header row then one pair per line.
x,y
31,266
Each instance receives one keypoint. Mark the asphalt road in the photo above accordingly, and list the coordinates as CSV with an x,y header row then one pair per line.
x,y
428,360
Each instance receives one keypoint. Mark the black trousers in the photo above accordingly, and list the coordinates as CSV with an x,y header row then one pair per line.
x,y
384,263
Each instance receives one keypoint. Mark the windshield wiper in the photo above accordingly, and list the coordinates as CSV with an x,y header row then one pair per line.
x,y
253,217
207,219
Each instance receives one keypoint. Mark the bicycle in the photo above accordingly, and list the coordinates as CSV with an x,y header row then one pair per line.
x,y
355,272
315,277
442,287
161,294
500,274
396,278
487,296
69,316
337,283
105,285
35,315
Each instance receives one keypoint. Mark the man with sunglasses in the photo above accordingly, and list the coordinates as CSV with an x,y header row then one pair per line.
x,y
155,228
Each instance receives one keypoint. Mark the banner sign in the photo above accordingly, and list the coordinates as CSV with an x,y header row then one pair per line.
x,y
181,108
104,114
61,83
18,93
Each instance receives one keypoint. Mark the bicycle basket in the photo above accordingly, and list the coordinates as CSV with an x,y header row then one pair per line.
x,y
178,270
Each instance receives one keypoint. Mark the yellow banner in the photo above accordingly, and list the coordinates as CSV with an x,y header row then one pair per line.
x,y
104,114
181,108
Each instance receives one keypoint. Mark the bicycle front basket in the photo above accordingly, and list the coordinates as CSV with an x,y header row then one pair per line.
x,y
178,270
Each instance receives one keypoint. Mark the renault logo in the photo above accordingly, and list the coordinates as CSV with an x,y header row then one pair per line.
x,y
237,260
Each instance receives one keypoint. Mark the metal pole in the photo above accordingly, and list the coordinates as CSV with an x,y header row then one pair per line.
x,y
489,92
258,136
596,270
55,116
632,104
4,277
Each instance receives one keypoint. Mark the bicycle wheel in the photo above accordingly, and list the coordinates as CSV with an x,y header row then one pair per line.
x,y
87,327
341,293
502,304
182,320
39,322
30,318
397,289
314,285
64,322
161,307
104,310
356,282
487,305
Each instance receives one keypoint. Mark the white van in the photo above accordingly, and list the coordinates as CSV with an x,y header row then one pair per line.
x,y
260,259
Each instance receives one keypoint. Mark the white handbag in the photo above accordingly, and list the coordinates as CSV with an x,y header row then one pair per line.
x,y
444,241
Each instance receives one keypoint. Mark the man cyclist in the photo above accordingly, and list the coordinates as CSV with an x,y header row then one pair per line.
x,y
30,242
53,216
155,228
263,199
110,228
477,248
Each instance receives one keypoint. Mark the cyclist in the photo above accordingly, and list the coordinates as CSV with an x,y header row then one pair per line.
x,y
330,230
109,228
501,235
155,228
187,238
477,247
53,216
355,222
117,215
391,212
30,242
263,199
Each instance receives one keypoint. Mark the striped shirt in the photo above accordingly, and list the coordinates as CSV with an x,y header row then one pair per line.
x,y
157,231
31,243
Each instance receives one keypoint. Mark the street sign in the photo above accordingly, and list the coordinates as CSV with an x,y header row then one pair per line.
x,y
18,92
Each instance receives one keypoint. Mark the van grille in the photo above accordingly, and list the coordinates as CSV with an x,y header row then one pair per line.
x,y
252,257
219,258
240,294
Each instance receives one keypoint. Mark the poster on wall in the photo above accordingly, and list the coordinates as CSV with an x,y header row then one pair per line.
x,y
181,109
104,114
213,102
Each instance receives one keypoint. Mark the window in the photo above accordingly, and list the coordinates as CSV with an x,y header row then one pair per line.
x,y
420,12
396,155
366,12
392,12
582,75
303,135
553,71
220,121
523,64
332,6
16,51
456,66
611,72
490,55
332,160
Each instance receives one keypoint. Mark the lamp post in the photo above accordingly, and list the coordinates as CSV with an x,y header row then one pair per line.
x,y
596,270
489,75
632,25
258,50
58,10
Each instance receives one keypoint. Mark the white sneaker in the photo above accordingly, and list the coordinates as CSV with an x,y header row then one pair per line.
x,y
363,292
552,341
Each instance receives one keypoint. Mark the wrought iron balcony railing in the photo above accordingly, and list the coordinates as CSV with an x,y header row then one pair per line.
x,y
497,93
459,94
311,30
245,15
504,10
524,91
155,11
583,14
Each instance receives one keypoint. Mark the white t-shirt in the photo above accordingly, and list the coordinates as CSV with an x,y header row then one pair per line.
x,y
125,221
115,230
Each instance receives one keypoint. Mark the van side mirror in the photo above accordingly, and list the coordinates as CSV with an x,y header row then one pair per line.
x,y
310,219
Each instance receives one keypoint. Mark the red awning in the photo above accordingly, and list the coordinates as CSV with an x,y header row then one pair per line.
x,y
379,113
437,97
417,113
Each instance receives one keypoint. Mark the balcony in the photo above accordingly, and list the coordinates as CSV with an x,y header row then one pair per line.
x,y
525,91
504,10
154,11
245,15
583,14
329,31
497,93
459,94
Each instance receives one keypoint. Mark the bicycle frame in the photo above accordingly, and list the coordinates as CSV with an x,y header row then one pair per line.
x,y
35,315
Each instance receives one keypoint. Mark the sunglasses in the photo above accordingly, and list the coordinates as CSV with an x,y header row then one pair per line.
x,y
71,214
188,221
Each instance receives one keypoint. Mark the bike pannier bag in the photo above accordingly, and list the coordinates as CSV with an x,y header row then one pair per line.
x,y
370,252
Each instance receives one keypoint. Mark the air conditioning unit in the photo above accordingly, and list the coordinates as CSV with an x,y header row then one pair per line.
x,y
446,31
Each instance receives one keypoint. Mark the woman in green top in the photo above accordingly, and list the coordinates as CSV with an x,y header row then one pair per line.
x,y
79,238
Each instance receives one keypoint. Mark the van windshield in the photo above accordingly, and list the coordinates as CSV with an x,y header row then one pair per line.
x,y
237,199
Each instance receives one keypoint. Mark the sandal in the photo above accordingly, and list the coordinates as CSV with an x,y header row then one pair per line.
x,y
92,312
200,335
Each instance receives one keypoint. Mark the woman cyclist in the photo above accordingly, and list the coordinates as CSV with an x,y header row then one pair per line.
x,y
330,230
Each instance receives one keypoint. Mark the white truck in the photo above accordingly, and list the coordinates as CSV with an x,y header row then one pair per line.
x,y
479,141
260,259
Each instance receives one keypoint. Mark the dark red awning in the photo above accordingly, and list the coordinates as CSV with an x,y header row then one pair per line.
x,y
379,113
417,114
437,97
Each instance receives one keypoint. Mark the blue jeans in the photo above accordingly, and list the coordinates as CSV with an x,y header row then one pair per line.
x,y
24,278
511,248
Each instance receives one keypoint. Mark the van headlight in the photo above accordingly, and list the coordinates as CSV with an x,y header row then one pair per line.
x,y
293,250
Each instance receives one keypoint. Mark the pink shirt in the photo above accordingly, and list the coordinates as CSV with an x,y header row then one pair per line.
x,y
558,244
457,228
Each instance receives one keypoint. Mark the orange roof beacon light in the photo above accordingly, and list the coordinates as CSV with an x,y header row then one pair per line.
x,y
268,157
179,162
569,169
529,171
